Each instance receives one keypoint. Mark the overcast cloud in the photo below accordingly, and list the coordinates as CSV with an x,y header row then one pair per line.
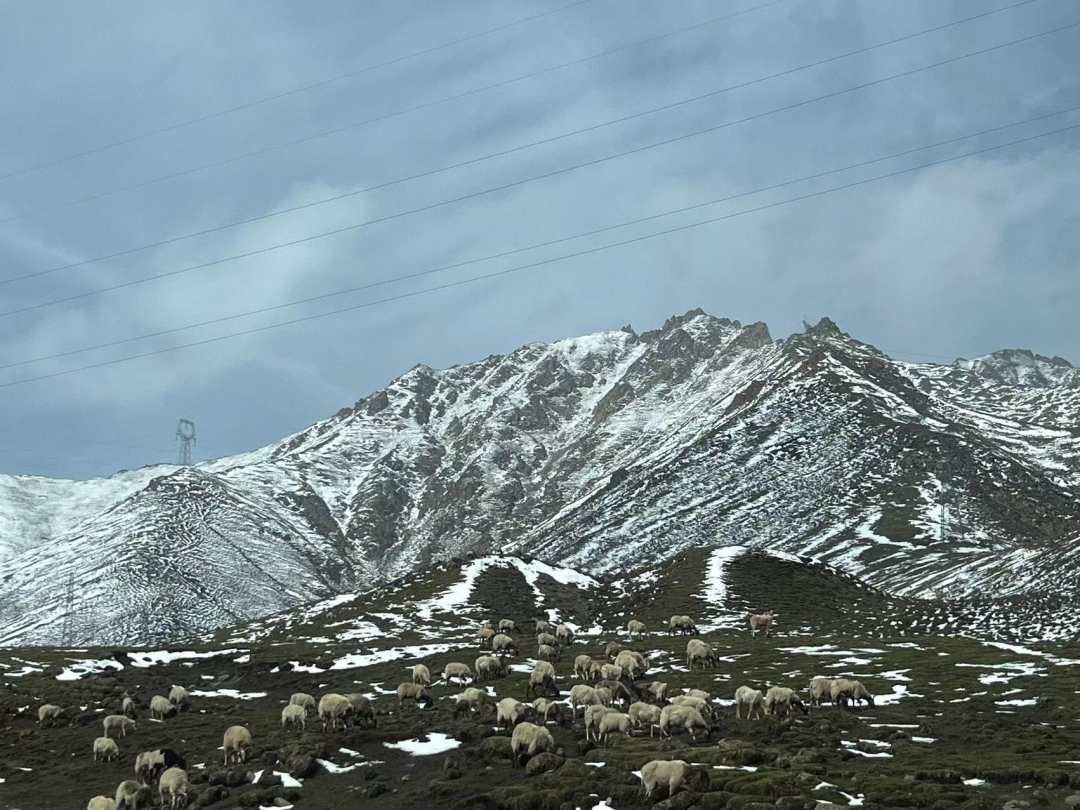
x,y
961,259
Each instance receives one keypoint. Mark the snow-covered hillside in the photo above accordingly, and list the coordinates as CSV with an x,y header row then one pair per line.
x,y
604,453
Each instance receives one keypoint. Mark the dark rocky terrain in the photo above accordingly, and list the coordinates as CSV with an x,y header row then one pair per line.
x,y
968,715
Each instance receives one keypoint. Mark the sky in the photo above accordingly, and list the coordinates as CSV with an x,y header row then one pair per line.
x,y
129,123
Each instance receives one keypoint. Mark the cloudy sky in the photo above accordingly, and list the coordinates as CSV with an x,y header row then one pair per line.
x,y
958,259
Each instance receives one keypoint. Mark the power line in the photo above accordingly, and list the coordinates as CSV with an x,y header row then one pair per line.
x,y
504,186
540,263
303,88
397,113
547,243
559,137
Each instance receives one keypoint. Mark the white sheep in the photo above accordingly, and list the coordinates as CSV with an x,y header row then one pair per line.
x,y
687,718
101,803
674,774
544,708
235,743
611,723
545,652
644,714
820,690
565,634
420,674
682,624
362,710
507,626
546,639
127,706
693,700
542,677
582,663
635,628
489,667
592,719
105,748
459,671
780,701
178,696
530,739
845,690
699,652
415,692
302,699
750,699
49,712
118,722
582,695
611,672
130,795
294,715
160,707
511,711
174,782
334,708
502,643
472,700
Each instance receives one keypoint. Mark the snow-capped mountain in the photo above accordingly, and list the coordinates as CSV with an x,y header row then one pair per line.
x,y
605,453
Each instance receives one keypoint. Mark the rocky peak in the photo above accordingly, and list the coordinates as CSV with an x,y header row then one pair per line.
x,y
1023,367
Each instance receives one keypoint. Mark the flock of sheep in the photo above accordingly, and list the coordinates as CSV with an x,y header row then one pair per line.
x,y
613,698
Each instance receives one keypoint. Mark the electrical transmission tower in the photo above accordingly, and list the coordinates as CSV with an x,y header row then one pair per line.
x,y
185,438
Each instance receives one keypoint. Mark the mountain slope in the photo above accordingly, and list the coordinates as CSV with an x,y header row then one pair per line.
x,y
606,452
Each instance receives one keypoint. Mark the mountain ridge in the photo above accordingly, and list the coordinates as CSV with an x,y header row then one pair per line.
x,y
601,452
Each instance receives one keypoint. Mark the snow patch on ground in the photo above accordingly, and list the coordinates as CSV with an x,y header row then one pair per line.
x,y
436,743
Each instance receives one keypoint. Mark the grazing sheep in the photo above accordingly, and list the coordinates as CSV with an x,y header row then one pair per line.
x,y
49,712
686,718
511,711
334,707
582,663
542,677
543,626
547,653
565,634
174,782
118,722
415,692
127,706
611,723
633,663
459,671
682,624
487,633
592,718
699,693
236,742
362,711
611,672
529,739
820,690
603,694
621,691
106,748
594,670
150,764
612,649
471,700
294,715
582,695
302,699
697,651
160,708
503,644
547,639
657,690
178,696
689,700
420,674
845,690
507,626
644,714
635,628
544,708
674,774
489,667
752,699
130,795
761,621
780,701
101,803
